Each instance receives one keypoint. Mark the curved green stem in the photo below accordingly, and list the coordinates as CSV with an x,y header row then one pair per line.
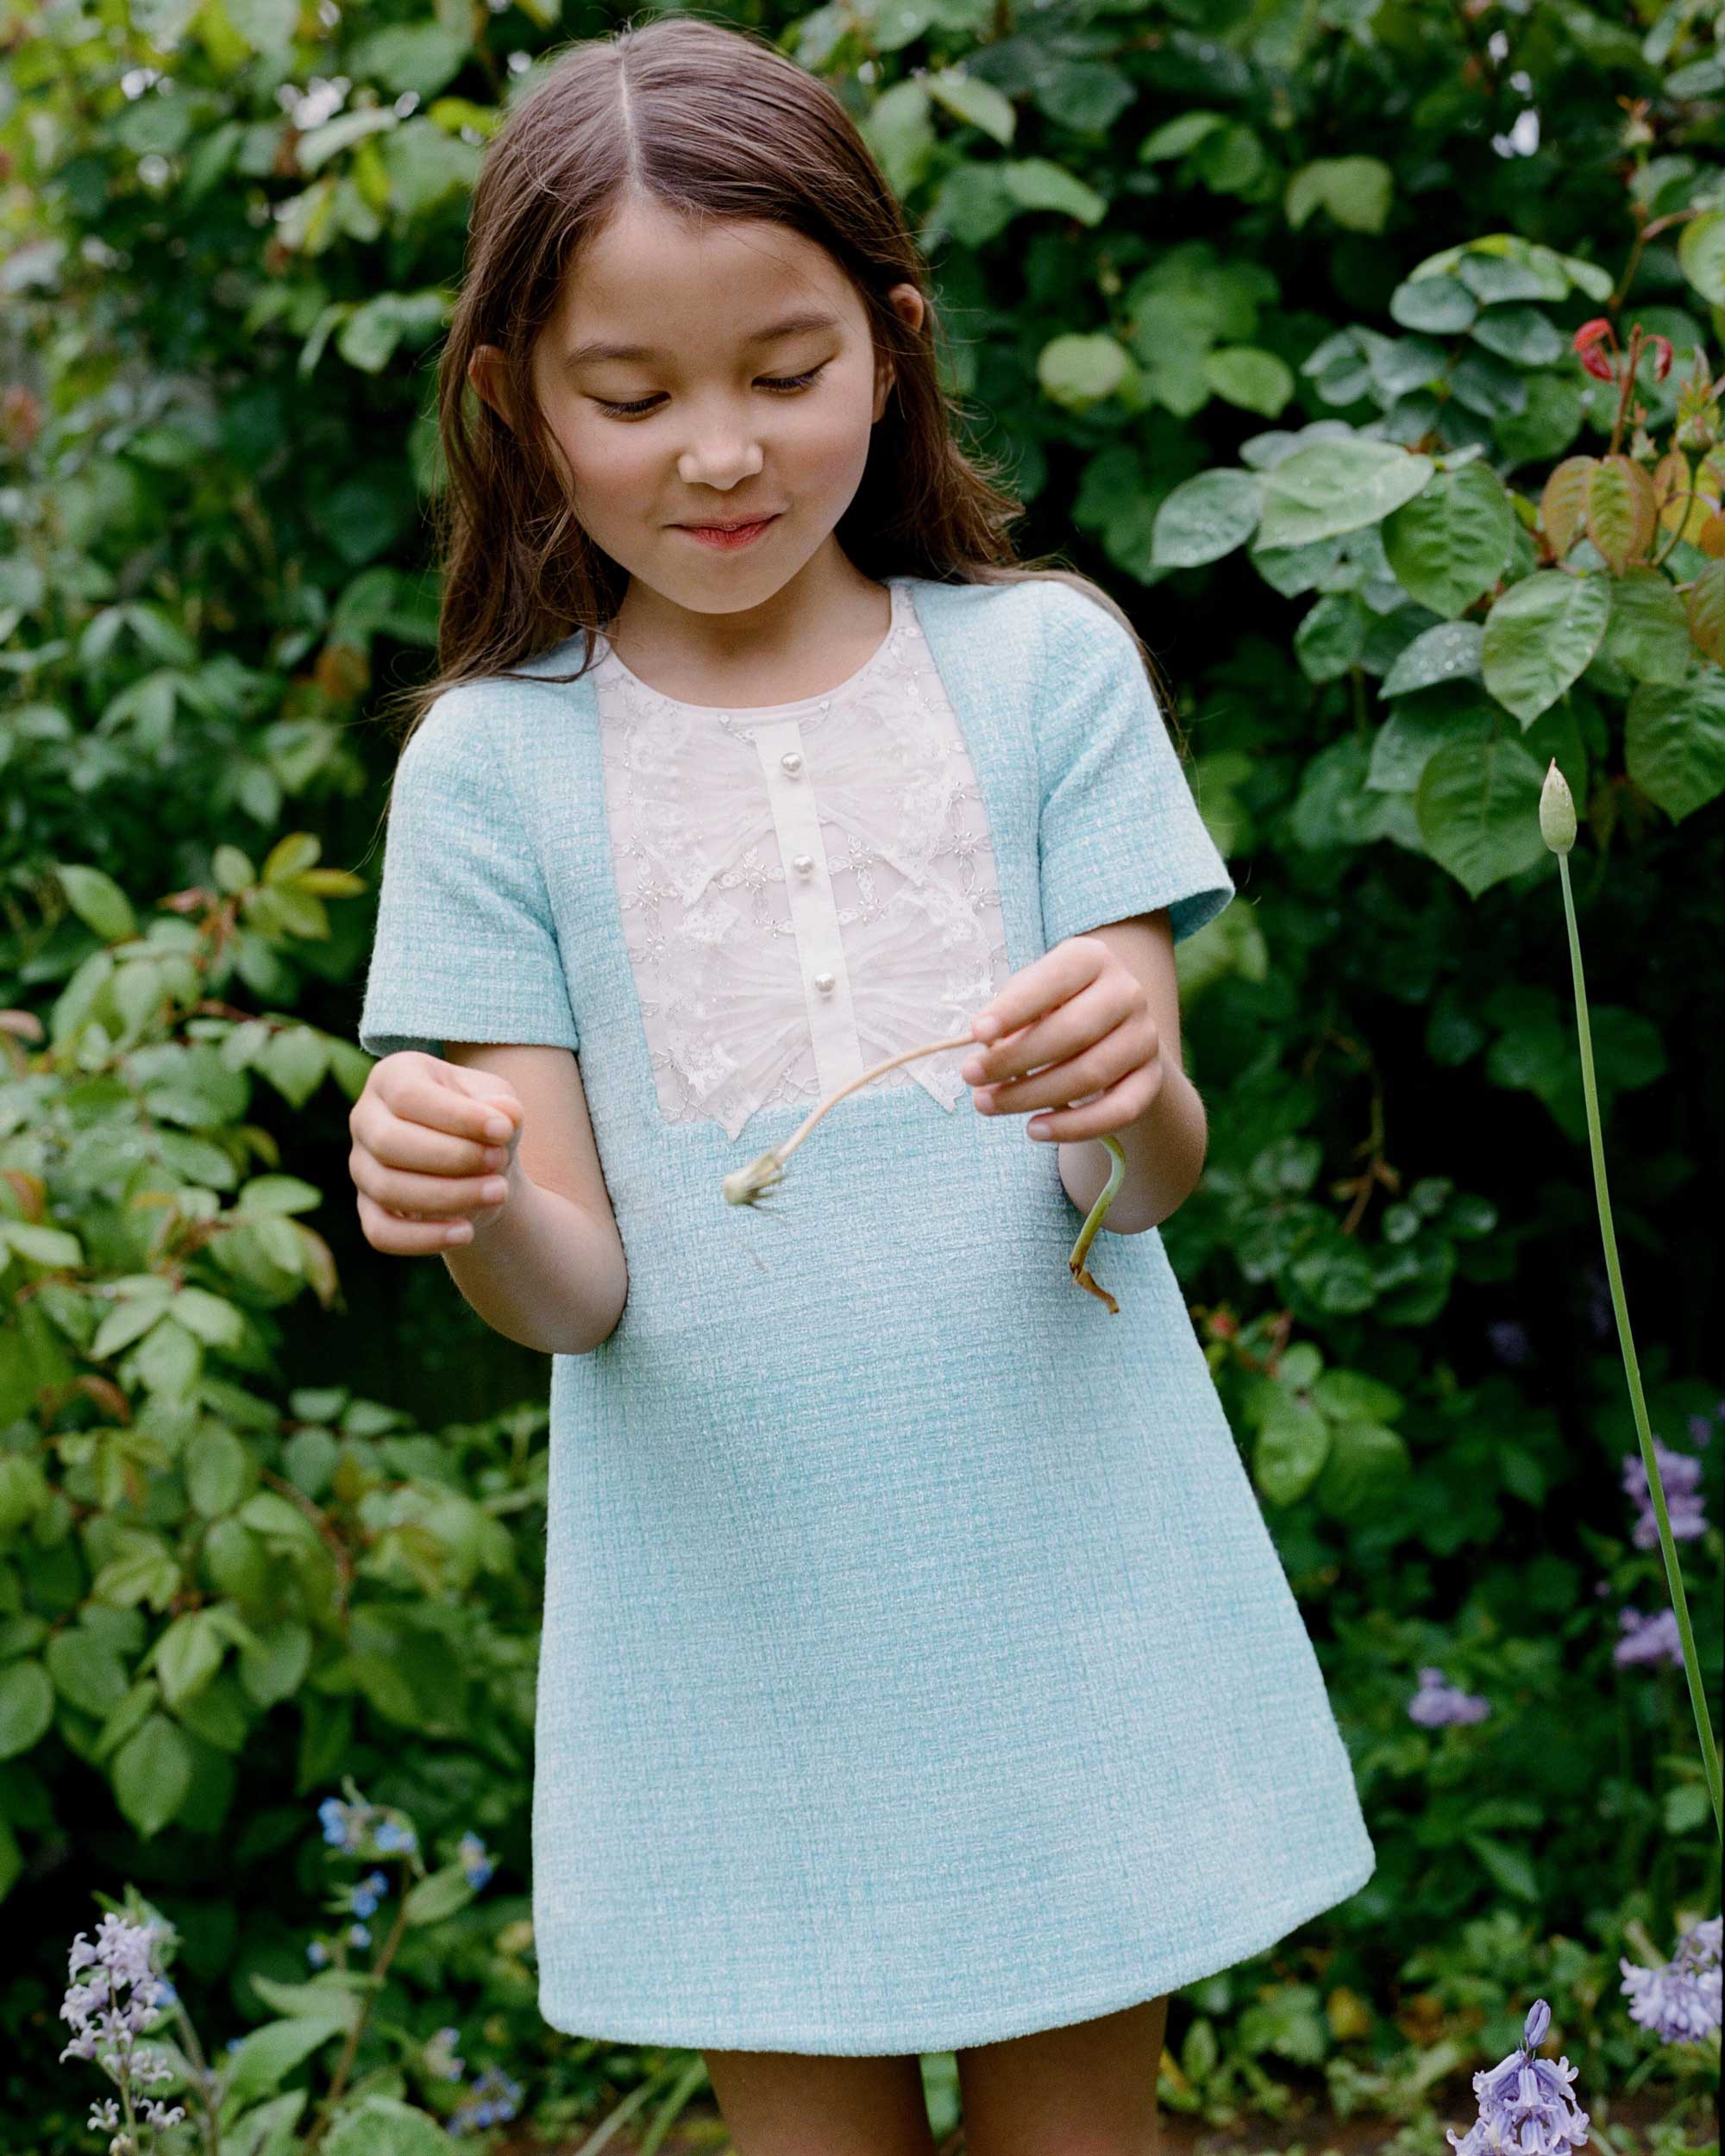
x,y
1094,1219
1709,1754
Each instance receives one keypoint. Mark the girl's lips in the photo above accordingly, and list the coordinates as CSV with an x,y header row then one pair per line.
x,y
727,540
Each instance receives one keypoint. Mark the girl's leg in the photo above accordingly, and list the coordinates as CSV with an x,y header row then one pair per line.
x,y
797,2103
1086,2089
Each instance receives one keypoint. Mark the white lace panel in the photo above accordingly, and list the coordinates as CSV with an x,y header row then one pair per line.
x,y
806,888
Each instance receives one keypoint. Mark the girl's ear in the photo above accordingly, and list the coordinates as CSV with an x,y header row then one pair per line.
x,y
907,302
485,372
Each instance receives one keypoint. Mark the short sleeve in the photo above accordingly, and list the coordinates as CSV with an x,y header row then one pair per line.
x,y
465,947
1120,831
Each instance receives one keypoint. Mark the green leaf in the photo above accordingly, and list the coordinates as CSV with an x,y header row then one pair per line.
x,y
1509,1868
98,902
417,56
1674,739
379,2126
274,1667
1335,485
152,1774
1332,636
1367,1465
1034,183
1701,254
26,1697
440,1894
1521,334
187,1655
1356,191
1205,517
1477,809
218,1476
1648,633
1248,377
1454,541
268,2130
968,98
278,1194
1440,305
1175,137
89,1672
1540,635
337,1999
899,129
1080,371
1293,1445
1449,652
257,2068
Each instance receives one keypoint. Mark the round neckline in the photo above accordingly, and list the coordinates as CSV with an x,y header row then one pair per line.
x,y
797,705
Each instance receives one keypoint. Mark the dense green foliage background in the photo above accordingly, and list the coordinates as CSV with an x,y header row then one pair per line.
x,y
244,1547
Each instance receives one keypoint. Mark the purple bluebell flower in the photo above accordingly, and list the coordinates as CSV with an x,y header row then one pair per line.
x,y
1649,1638
492,2100
476,1861
114,1998
1679,2001
1701,1429
1679,1474
1525,2106
1438,1702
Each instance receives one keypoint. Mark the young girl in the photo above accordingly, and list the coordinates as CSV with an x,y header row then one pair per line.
x,y
918,1672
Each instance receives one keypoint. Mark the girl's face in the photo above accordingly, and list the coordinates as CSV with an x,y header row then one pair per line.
x,y
694,376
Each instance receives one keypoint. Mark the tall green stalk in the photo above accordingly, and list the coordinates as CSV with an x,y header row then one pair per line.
x,y
1557,825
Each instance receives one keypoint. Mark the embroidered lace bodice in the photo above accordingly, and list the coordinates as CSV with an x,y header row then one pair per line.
x,y
806,888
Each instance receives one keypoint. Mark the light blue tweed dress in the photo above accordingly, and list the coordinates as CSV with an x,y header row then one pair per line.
x,y
918,1670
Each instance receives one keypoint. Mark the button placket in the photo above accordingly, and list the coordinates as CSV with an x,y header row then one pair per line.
x,y
808,889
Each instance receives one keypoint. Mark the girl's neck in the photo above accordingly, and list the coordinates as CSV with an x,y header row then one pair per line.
x,y
813,633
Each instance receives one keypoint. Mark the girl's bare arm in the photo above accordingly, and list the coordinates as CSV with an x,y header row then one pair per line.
x,y
547,1270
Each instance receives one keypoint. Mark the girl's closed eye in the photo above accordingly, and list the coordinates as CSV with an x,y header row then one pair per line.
x,y
779,384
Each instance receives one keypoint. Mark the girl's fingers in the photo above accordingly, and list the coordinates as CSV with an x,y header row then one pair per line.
x,y
1091,1016
434,1197
431,1093
1116,1055
417,1148
397,1237
1119,1104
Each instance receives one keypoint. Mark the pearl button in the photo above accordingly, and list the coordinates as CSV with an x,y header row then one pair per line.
x,y
793,762
803,864
824,982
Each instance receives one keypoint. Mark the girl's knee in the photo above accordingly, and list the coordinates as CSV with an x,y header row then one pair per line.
x,y
798,2103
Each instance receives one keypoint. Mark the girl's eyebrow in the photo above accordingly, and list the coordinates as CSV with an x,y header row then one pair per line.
x,y
791,325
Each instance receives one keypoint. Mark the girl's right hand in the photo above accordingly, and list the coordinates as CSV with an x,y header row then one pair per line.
x,y
427,1173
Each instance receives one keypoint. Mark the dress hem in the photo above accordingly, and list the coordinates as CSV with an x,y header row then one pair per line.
x,y
994,2028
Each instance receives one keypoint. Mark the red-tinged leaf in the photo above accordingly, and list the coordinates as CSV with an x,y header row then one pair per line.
x,y
1704,603
1563,506
1622,513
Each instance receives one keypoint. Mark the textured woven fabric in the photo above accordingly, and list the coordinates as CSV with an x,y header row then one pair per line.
x,y
918,1670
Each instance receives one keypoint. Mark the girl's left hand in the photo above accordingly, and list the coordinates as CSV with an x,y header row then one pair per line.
x,y
1075,1022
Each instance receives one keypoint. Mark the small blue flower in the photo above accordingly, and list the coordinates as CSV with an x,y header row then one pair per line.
x,y
394,1840
318,1953
369,1892
359,1935
476,1861
493,2099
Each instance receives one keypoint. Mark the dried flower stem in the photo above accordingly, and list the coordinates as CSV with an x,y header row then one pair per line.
x,y
749,1186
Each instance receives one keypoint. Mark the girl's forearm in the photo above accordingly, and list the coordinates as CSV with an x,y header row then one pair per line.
x,y
545,1272
1164,1151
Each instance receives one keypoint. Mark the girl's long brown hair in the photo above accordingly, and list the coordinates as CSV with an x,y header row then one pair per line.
x,y
713,121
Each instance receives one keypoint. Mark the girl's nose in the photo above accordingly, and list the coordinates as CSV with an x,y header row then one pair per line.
x,y
719,460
